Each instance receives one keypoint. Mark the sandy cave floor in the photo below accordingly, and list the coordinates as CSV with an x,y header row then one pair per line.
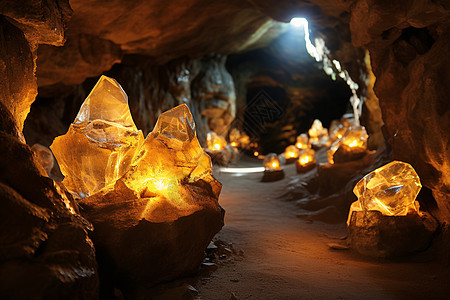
x,y
285,257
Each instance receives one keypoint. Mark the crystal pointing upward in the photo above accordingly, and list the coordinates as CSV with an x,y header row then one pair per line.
x,y
101,143
108,102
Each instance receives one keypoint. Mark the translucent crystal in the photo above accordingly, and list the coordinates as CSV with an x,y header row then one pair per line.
x,y
391,189
215,142
271,162
101,143
244,140
171,155
356,138
307,157
302,141
291,152
316,129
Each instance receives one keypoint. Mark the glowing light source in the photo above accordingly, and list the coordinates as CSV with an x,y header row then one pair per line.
x,y
391,189
215,142
299,22
291,153
271,162
302,141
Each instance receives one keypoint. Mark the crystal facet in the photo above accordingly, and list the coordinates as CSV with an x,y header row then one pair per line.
x,y
391,189
101,143
171,155
356,138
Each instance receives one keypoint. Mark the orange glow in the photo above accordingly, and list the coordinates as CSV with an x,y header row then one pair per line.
x,y
215,142
234,144
256,153
271,162
351,144
307,157
291,152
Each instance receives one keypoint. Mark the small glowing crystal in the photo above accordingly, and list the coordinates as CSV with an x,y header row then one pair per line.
x,y
234,135
356,138
271,162
316,129
215,142
291,152
101,143
302,141
307,157
391,189
244,140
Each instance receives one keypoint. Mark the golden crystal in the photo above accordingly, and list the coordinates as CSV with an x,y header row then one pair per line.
x,y
302,141
215,142
291,152
101,143
271,162
391,189
356,138
170,156
307,157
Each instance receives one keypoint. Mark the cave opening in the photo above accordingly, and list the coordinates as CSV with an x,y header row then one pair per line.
x,y
225,149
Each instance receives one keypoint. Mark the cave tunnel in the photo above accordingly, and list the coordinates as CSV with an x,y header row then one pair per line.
x,y
251,149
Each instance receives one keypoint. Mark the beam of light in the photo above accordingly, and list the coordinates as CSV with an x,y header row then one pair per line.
x,y
321,53
242,170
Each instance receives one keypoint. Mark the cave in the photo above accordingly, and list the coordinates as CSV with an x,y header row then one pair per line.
x,y
258,149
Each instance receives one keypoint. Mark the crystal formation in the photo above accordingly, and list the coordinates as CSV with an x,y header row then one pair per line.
x,y
291,152
101,143
215,142
356,138
170,157
302,141
271,162
44,157
391,189
307,157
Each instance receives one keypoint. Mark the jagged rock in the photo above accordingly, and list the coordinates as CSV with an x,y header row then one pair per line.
x,y
82,56
131,249
374,234
42,21
18,87
44,243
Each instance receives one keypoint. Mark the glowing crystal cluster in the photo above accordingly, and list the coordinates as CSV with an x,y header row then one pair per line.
x,y
307,157
291,152
271,162
101,143
302,141
318,135
170,157
356,138
391,189
215,142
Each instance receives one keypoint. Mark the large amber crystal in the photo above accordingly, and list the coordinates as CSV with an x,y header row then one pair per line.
x,y
170,157
391,189
101,143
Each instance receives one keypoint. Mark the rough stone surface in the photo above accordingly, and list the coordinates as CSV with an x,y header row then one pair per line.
x,y
171,249
42,21
82,56
408,43
44,243
374,234
18,87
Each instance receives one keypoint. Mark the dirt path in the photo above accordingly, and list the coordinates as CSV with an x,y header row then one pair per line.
x,y
288,258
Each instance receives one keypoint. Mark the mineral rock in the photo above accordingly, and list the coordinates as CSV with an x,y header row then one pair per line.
x,y
101,143
215,142
291,152
391,189
271,162
171,156
302,141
